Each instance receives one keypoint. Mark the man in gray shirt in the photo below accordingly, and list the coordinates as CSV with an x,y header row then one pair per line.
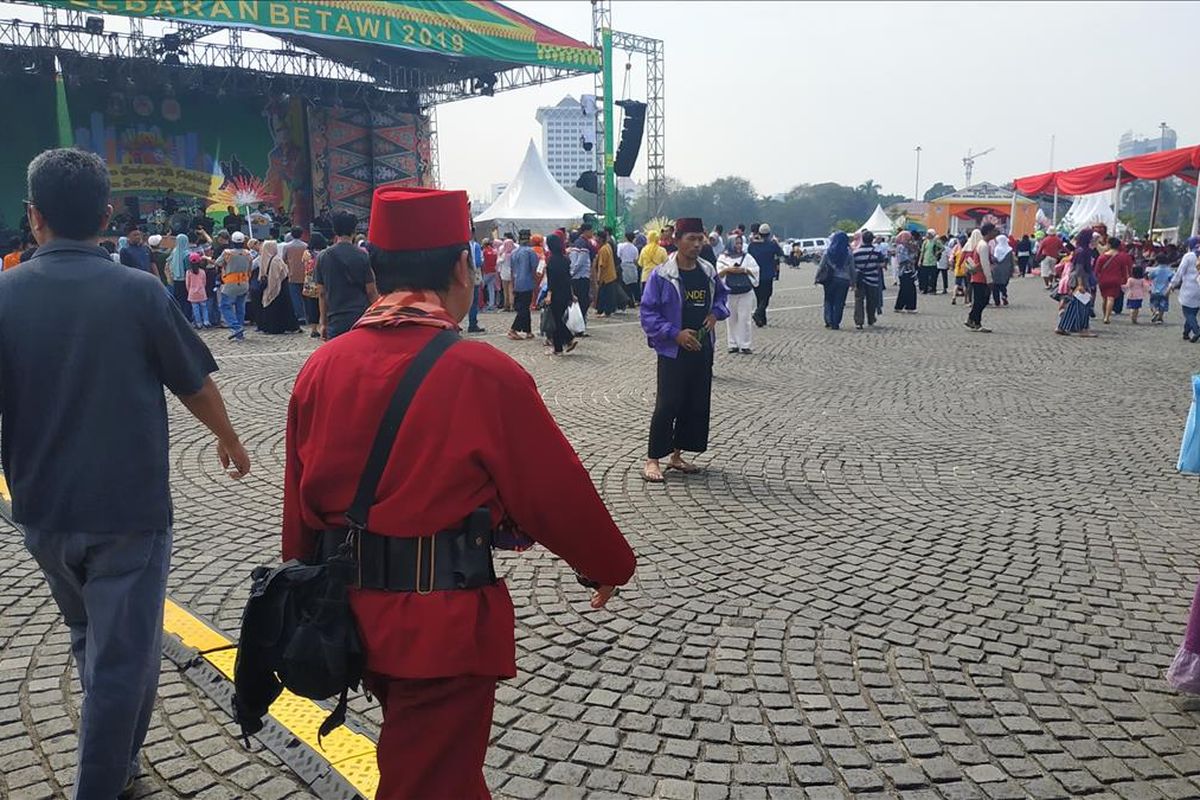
x,y
85,450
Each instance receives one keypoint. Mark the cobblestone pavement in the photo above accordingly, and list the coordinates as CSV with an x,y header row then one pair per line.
x,y
920,563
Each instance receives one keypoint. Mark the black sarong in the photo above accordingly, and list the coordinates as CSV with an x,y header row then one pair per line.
x,y
681,408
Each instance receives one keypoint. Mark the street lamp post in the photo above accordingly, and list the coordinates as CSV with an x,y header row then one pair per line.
x,y
917,181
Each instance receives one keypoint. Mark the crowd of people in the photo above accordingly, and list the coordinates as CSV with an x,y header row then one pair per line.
x,y
1089,275
231,277
437,494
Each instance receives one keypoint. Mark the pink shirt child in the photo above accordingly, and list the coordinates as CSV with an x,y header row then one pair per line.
x,y
195,285
1136,288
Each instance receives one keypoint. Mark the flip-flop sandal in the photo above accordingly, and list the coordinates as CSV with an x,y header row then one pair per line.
x,y
686,469
651,478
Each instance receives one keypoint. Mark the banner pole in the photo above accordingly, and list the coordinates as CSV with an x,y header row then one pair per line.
x,y
610,179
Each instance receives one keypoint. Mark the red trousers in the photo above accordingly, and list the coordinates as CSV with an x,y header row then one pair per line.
x,y
434,737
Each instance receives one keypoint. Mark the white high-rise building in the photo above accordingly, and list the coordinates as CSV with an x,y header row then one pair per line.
x,y
565,127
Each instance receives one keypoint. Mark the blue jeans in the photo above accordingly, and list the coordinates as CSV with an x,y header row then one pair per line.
x,y
296,291
233,310
835,301
200,313
110,589
491,282
1190,326
473,314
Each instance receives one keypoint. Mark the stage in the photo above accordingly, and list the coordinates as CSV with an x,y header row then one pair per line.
x,y
341,107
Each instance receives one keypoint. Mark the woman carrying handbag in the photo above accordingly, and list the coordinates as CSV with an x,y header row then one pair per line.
x,y
739,271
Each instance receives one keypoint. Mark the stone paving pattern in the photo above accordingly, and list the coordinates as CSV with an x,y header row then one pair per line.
x,y
921,563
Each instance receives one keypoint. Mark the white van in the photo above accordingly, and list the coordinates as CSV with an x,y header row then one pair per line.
x,y
813,249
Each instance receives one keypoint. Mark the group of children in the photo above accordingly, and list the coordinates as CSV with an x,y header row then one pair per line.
x,y
1155,282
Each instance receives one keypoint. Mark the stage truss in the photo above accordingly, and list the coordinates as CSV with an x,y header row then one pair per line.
x,y
63,33
652,49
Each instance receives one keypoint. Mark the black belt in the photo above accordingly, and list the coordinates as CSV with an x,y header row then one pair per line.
x,y
454,559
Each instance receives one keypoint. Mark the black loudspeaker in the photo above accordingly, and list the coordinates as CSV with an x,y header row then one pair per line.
x,y
588,181
631,137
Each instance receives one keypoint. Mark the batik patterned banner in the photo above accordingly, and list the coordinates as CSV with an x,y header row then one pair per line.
x,y
450,27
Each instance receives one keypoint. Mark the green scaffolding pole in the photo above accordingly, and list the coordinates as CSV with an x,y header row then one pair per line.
x,y
610,181
66,137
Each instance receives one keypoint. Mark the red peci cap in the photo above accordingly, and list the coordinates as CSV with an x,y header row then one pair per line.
x,y
410,218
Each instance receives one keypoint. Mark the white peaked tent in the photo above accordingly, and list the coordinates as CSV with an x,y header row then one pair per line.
x,y
533,200
878,224
1088,209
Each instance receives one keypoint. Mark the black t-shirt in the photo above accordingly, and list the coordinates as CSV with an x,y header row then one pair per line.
x,y
84,445
344,270
696,297
233,222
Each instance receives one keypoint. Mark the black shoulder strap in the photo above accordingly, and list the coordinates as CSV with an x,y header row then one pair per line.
x,y
381,448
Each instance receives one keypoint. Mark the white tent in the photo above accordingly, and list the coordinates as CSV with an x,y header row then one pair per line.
x,y
1087,210
533,200
878,224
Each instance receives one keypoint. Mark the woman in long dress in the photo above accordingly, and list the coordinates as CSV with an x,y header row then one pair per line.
x,y
1079,288
277,313
558,279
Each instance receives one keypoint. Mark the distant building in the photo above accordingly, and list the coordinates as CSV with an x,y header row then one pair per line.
x,y
1137,145
497,190
628,187
565,127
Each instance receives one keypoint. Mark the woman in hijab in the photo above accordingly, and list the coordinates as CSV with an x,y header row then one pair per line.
x,y
651,256
1002,270
277,313
739,271
558,279
122,243
1080,286
906,273
178,265
836,274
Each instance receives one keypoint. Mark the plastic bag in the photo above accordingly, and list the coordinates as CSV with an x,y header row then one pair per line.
x,y
574,319
1189,449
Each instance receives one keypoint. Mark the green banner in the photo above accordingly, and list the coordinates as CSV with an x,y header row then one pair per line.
x,y
477,29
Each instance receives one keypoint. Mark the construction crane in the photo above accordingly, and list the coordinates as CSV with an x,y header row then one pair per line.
x,y
969,162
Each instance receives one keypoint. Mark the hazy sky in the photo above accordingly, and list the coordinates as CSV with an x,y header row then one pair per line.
x,y
786,93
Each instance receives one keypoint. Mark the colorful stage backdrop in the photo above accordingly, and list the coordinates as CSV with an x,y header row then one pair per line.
x,y
224,151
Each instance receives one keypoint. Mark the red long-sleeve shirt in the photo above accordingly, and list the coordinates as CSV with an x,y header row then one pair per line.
x,y
465,442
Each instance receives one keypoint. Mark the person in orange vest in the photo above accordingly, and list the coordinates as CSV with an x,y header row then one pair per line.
x,y
436,625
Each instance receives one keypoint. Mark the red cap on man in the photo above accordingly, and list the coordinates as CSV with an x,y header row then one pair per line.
x,y
407,218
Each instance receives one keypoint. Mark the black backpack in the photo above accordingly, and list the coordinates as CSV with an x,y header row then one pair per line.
x,y
298,631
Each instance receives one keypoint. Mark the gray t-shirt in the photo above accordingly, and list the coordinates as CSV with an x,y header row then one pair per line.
x,y
345,271
83,419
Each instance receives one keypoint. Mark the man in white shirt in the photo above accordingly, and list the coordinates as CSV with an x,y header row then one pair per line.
x,y
627,265
260,223
1187,283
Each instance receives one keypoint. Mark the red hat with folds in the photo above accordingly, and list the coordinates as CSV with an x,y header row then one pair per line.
x,y
406,218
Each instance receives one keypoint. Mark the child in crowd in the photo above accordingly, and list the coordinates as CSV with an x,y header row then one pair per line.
x,y
197,283
1160,286
1135,291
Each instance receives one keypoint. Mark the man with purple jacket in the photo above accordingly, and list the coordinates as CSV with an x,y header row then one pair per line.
x,y
681,303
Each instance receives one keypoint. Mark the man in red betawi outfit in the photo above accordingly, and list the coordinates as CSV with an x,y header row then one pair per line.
x,y
433,657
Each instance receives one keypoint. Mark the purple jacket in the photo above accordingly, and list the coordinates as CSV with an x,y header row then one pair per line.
x,y
662,305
